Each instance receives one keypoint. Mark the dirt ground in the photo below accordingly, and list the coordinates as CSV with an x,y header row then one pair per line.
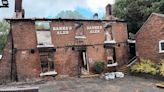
x,y
126,84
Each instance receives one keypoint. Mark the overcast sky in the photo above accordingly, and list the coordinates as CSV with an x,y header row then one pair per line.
x,y
49,8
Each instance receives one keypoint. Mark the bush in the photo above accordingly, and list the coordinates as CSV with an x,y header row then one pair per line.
x,y
146,66
99,67
162,70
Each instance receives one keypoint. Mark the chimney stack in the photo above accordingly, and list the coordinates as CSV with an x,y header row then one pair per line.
x,y
18,5
95,16
19,12
109,12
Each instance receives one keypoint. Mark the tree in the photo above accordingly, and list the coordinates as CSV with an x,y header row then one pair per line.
x,y
136,12
70,15
4,30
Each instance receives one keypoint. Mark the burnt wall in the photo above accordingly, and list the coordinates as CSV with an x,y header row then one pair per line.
x,y
5,62
24,38
65,58
121,36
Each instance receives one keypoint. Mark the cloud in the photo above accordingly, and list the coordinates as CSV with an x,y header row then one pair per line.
x,y
7,12
46,8
98,5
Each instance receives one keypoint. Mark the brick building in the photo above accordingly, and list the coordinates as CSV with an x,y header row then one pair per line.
x,y
150,39
38,47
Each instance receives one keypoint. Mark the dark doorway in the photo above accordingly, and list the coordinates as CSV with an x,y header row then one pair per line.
x,y
47,63
83,65
83,60
46,59
132,50
111,55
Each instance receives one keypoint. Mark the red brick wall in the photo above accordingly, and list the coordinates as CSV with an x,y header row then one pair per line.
x,y
65,59
95,54
148,37
121,36
5,62
24,37
62,40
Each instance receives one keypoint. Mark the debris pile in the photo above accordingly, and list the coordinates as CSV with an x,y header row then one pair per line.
x,y
113,75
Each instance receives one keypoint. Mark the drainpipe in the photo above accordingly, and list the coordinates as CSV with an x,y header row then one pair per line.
x,y
13,58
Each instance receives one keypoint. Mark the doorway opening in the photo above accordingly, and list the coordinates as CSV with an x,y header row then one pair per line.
x,y
83,63
47,63
132,50
111,55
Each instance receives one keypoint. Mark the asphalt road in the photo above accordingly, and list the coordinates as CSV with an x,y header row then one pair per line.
x,y
126,84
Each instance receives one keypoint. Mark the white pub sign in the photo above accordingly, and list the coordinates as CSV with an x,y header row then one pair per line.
x,y
94,29
62,29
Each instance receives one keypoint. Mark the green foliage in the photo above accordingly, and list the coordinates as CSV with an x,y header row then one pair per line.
x,y
162,69
42,25
4,30
135,12
99,67
146,66
70,15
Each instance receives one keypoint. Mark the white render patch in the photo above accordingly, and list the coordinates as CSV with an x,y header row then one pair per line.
x,y
0,56
49,73
110,41
131,41
112,65
17,89
44,45
44,37
80,37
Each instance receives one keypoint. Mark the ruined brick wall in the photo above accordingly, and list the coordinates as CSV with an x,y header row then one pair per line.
x,y
121,36
148,37
5,62
24,38
66,61
96,52
65,58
